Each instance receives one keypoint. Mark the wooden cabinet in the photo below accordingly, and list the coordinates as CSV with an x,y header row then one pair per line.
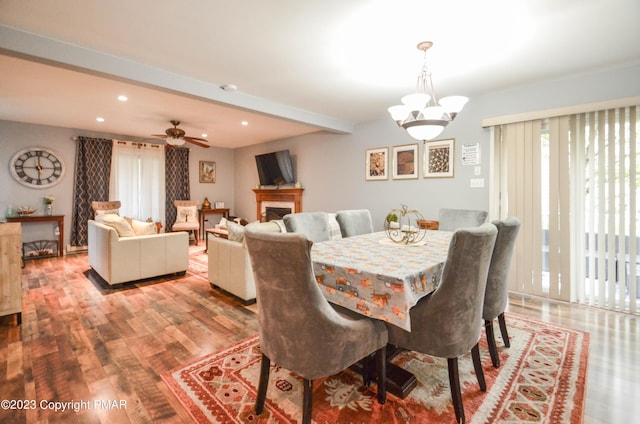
x,y
11,270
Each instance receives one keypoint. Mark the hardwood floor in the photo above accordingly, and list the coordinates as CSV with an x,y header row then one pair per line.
x,y
83,341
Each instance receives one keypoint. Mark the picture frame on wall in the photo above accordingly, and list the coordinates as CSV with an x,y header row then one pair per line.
x,y
439,158
207,172
405,162
377,164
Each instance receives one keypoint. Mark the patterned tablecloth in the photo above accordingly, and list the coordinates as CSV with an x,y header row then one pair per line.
x,y
375,277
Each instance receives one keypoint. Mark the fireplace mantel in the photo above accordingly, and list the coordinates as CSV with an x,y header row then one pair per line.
x,y
292,195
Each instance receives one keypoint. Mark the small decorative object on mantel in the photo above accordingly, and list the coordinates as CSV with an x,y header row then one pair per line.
x,y
48,201
401,226
206,204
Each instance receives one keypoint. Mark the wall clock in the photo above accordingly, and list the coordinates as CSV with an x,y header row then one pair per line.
x,y
37,167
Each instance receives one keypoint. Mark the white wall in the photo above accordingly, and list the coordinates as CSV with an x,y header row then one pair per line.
x,y
15,136
331,167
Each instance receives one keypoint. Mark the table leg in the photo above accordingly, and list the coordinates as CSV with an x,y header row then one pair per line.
x,y
400,382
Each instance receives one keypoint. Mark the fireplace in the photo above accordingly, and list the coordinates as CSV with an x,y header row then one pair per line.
x,y
275,203
271,213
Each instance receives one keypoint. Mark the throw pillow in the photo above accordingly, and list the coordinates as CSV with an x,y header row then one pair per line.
x,y
236,231
187,214
122,227
334,228
143,228
107,211
222,224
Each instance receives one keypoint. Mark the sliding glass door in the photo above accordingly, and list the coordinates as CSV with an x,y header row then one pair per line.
x,y
573,180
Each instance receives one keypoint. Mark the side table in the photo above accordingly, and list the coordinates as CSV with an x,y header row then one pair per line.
x,y
203,217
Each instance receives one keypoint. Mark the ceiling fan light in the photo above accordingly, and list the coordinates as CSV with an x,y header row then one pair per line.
x,y
175,141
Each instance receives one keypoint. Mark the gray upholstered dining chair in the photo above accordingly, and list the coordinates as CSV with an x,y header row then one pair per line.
x,y
299,330
447,323
314,225
496,295
354,222
452,219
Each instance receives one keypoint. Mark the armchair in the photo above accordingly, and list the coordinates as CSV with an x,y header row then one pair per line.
x,y
354,222
313,225
187,217
452,219
299,330
448,322
496,296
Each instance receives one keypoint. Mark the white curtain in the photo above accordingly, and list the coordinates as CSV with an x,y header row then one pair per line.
x,y
138,179
573,182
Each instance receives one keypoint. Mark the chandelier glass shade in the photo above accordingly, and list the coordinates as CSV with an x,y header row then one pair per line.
x,y
421,114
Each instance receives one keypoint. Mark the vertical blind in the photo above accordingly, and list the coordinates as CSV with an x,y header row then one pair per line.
x,y
573,182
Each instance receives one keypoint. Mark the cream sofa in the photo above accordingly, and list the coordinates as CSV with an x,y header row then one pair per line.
x,y
229,265
121,259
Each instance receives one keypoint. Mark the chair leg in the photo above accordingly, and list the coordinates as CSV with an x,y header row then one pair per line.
x,y
381,357
456,395
503,330
307,401
491,342
195,235
477,366
265,364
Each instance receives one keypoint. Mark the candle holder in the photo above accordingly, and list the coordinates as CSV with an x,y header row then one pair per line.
x,y
402,226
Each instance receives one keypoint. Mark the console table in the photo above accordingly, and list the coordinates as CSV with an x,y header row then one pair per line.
x,y
205,212
29,219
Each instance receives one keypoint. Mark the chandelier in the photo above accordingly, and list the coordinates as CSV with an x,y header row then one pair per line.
x,y
421,114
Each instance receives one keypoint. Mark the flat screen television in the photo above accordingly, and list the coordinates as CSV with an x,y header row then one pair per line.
x,y
275,168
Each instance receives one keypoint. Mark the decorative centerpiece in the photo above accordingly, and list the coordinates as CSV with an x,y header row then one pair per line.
x,y
25,210
401,226
48,201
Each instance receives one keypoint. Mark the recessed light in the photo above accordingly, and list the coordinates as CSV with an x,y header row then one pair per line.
x,y
100,119
229,87
204,134
123,98
244,123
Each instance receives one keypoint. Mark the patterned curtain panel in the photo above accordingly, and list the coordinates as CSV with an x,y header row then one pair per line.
x,y
177,181
93,168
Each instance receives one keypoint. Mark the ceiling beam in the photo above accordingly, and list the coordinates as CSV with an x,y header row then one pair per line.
x,y
34,47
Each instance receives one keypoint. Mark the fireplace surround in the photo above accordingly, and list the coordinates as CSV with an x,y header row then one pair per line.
x,y
281,198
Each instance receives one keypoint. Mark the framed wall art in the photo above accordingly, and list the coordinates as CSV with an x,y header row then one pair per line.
x,y
439,158
405,162
207,172
377,164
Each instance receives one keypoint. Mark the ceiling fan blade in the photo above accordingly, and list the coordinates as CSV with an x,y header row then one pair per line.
x,y
197,141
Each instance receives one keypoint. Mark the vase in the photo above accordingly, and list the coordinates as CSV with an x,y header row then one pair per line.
x,y
49,209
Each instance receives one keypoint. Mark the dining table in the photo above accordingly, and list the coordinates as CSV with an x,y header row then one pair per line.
x,y
374,276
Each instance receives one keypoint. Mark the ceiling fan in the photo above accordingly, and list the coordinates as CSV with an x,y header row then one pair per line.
x,y
176,137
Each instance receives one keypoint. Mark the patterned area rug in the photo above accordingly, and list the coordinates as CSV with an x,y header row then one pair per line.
x,y
198,261
542,379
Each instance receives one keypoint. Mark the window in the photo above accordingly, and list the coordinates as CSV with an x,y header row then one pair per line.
x,y
138,179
